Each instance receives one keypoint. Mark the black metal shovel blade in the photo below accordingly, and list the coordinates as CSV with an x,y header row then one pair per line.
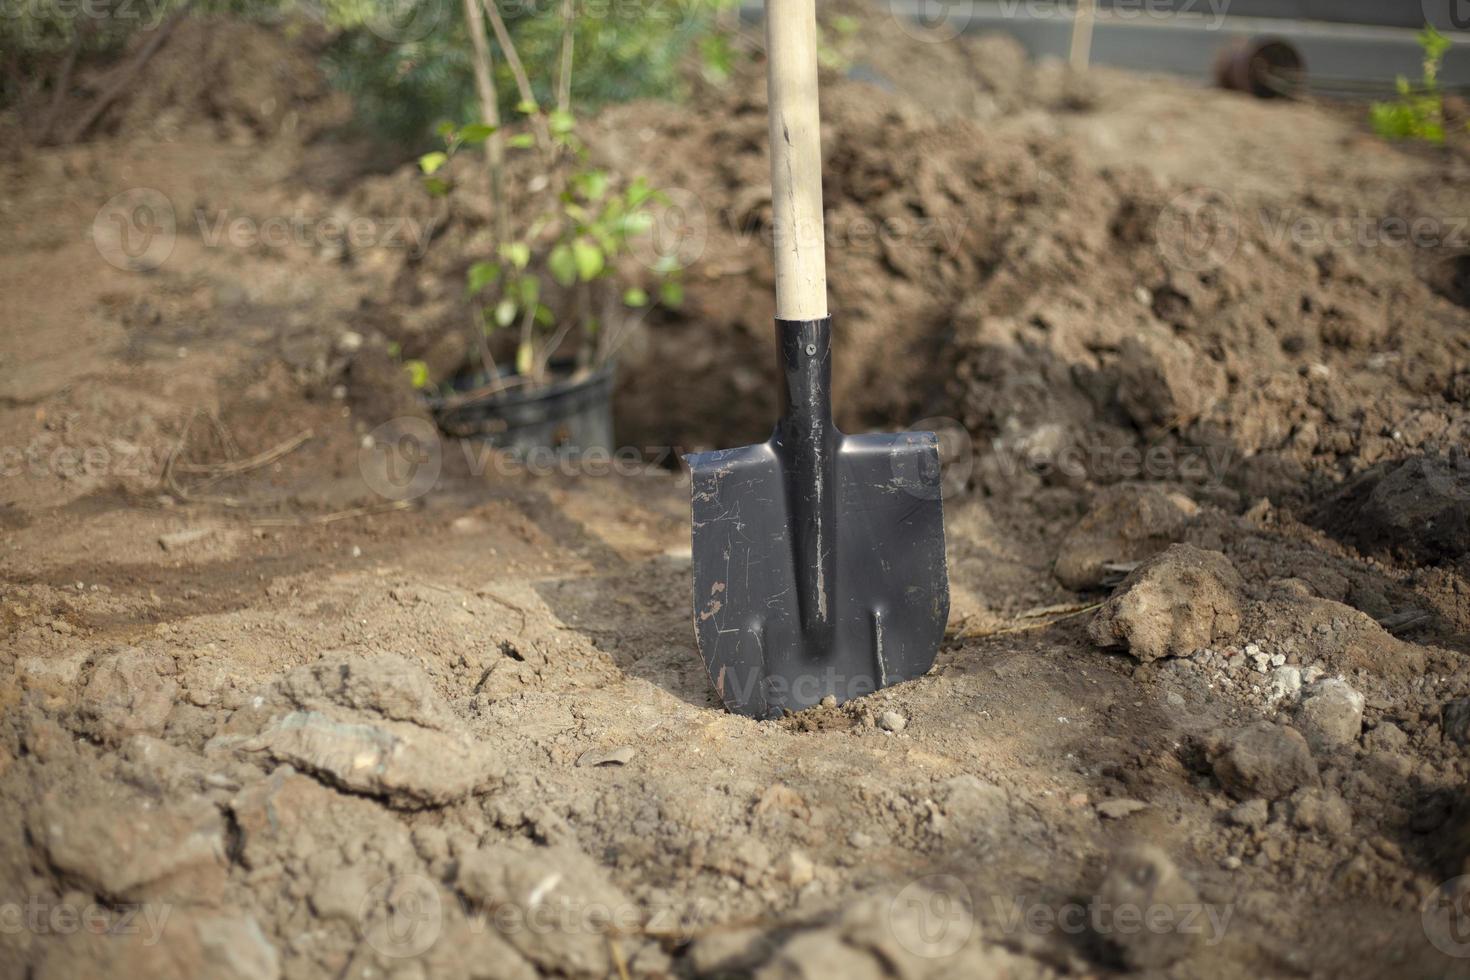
x,y
890,591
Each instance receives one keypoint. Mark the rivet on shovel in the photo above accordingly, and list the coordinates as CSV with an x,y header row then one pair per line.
x,y
818,557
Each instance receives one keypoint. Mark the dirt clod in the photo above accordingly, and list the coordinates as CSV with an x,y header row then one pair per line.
x,y
1143,880
1262,760
1330,715
1179,601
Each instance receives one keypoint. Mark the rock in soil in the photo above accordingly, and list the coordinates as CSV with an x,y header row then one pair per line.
x,y
1173,604
408,765
127,846
129,693
1142,884
1418,508
1330,715
1127,523
523,889
1454,721
1261,760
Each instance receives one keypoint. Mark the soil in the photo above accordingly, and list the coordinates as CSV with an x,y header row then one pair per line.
x,y
293,687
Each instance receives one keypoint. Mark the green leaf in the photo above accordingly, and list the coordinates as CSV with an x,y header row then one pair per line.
x,y
436,187
589,259
561,122
530,290
517,254
671,293
592,184
445,130
562,265
476,133
528,107
543,315
482,274
638,192
505,312
635,297
521,141
525,357
418,373
394,348
430,163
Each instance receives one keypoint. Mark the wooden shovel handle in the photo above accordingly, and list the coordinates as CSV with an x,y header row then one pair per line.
x,y
796,159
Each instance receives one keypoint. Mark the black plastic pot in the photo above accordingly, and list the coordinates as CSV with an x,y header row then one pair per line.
x,y
570,417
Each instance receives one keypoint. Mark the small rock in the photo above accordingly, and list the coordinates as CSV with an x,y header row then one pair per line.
x,y
1231,863
860,840
349,341
1262,760
892,721
178,540
1118,809
129,693
1330,714
1454,721
404,763
1315,809
1171,605
619,756
1386,737
797,870
1286,682
1251,813
527,889
1143,878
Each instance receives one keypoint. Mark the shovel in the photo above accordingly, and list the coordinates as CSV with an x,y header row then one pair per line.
x,y
818,557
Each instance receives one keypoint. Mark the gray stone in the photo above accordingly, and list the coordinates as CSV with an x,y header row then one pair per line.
x,y
130,692
1330,714
1262,760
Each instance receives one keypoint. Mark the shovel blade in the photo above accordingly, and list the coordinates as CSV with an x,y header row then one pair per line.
x,y
890,597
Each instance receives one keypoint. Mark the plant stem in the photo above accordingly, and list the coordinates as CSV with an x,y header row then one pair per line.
x,y
518,71
490,113
564,79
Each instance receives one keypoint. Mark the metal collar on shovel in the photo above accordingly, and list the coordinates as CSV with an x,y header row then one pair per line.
x,y
818,557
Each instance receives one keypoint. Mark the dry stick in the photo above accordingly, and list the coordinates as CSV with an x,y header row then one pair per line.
x,y
518,71
236,467
564,78
484,65
123,81
1024,627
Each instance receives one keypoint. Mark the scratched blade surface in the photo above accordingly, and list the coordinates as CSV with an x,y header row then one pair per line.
x,y
892,589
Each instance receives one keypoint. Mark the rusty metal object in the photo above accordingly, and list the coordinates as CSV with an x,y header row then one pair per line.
x,y
1265,67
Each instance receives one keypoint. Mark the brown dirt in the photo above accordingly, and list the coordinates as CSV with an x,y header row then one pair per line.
x,y
302,730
